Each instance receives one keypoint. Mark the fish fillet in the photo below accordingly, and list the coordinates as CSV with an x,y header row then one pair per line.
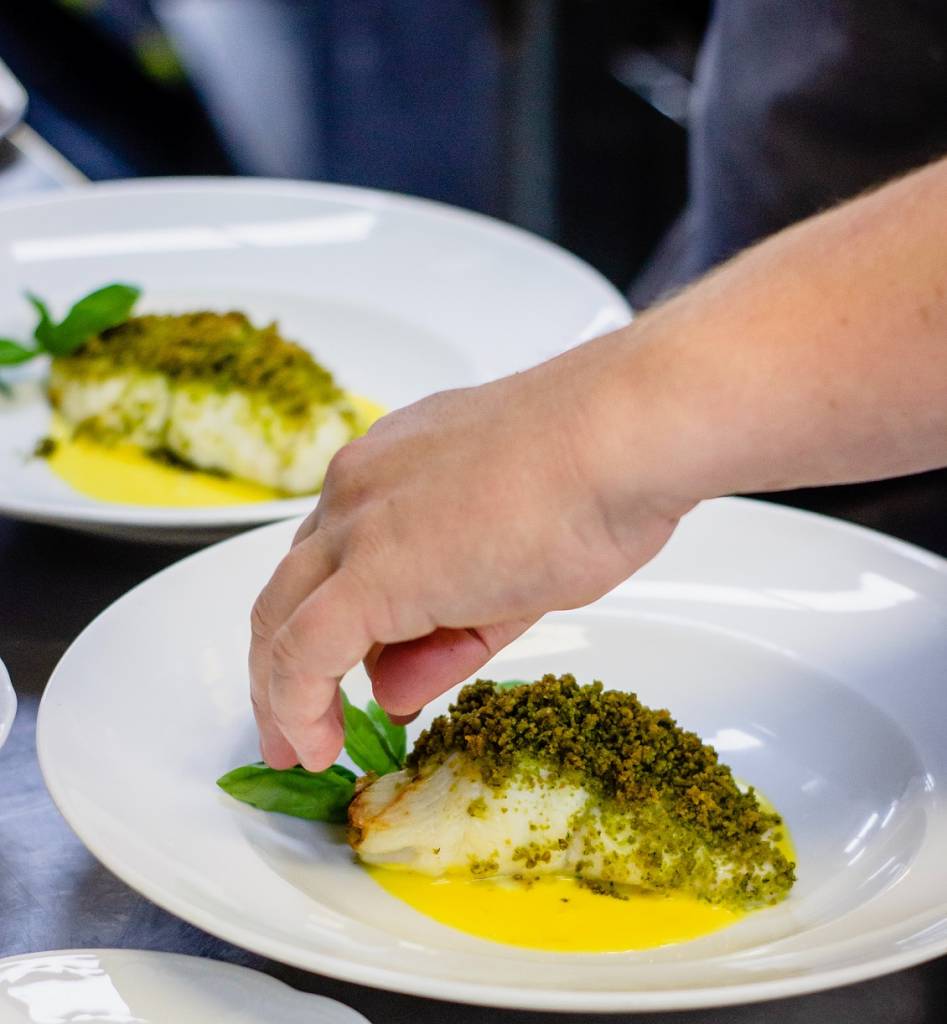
x,y
516,783
212,391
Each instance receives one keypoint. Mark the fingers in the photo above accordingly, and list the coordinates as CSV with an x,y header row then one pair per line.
x,y
372,656
406,676
329,633
306,528
305,567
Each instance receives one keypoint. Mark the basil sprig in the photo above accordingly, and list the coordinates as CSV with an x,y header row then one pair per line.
x,y
366,742
395,735
316,796
372,741
508,684
12,353
104,308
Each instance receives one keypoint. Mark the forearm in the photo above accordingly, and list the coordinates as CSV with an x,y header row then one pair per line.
x,y
818,357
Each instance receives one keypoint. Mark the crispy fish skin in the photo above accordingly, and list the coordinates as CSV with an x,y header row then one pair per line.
x,y
212,390
454,811
449,821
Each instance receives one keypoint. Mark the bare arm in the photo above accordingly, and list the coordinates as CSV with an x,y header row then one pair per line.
x,y
819,356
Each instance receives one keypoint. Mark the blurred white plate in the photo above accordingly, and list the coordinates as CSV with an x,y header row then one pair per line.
x,y
12,101
124,986
7,704
398,296
809,652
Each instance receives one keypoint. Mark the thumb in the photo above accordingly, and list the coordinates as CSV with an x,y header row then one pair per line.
x,y
406,676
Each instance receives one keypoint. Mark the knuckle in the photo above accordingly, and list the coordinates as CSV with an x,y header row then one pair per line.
x,y
392,615
308,526
348,480
345,463
286,652
264,615
297,727
261,625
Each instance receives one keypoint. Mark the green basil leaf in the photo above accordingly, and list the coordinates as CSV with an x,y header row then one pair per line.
x,y
315,796
365,744
45,327
508,684
12,353
394,735
103,308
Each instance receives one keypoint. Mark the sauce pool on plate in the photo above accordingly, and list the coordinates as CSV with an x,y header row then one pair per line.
x,y
126,475
555,913
560,914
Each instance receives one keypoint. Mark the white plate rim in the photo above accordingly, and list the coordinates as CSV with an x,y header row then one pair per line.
x,y
8,703
260,982
149,517
506,997
11,116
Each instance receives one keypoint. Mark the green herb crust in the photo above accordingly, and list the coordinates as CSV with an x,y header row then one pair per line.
x,y
224,350
662,799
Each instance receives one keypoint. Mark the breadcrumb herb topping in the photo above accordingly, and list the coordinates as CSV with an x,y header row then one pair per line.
x,y
659,788
221,349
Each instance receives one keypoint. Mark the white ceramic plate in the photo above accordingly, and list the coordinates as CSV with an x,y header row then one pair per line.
x,y
125,986
7,704
398,296
809,652
12,101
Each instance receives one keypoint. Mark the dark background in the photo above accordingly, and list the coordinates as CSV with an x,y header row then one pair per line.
x,y
554,116
567,117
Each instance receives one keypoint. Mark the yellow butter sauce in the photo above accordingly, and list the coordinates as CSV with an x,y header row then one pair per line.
x,y
126,475
557,913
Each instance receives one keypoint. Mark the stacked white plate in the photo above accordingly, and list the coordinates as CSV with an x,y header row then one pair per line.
x,y
122,986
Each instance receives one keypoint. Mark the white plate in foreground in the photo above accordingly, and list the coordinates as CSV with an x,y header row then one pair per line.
x,y
7,704
127,985
809,652
398,297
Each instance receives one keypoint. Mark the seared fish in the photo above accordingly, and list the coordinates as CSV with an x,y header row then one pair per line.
x,y
515,783
211,391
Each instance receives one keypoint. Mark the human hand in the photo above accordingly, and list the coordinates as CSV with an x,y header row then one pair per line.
x,y
440,536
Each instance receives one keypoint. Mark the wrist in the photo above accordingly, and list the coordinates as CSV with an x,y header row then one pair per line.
x,y
628,434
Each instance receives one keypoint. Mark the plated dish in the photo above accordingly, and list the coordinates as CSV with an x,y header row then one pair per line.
x,y
530,810
807,652
7,704
124,985
188,409
395,297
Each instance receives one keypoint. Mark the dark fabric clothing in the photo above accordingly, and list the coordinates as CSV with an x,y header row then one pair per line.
x,y
801,104
797,105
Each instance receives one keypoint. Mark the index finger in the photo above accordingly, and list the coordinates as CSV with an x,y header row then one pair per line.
x,y
298,574
328,634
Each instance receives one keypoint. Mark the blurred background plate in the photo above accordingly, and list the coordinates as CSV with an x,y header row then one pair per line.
x,y
12,101
809,652
108,986
399,297
7,704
